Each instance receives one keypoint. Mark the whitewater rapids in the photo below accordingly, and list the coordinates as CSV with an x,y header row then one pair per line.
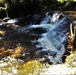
x,y
51,41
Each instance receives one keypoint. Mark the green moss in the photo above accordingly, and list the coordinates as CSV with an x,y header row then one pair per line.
x,y
31,67
15,67
71,59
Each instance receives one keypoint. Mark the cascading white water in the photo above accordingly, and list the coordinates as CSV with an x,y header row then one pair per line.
x,y
53,40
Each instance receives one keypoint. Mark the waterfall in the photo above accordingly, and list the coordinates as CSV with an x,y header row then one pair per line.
x,y
53,40
51,32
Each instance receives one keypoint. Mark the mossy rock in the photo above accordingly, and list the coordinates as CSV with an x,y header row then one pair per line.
x,y
71,59
30,68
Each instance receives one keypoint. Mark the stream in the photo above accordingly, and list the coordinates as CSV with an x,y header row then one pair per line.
x,y
43,36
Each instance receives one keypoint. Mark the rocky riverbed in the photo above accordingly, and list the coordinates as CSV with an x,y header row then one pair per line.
x,y
29,44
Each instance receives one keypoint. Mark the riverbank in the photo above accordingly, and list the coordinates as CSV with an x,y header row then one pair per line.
x,y
35,67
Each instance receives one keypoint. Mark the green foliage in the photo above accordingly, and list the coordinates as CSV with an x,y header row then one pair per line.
x,y
66,1
15,8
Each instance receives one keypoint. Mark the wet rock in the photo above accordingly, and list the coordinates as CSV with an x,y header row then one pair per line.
x,y
4,52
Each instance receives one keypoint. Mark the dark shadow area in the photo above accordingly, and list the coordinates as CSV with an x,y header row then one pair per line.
x,y
19,8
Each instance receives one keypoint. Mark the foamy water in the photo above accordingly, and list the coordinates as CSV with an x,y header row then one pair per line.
x,y
53,40
60,69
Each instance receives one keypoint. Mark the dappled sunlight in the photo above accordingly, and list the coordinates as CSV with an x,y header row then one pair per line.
x,y
13,66
2,32
32,67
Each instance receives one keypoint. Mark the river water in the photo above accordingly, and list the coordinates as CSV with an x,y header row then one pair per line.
x,y
52,41
49,35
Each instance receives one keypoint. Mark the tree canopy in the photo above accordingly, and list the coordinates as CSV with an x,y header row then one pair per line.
x,y
16,8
